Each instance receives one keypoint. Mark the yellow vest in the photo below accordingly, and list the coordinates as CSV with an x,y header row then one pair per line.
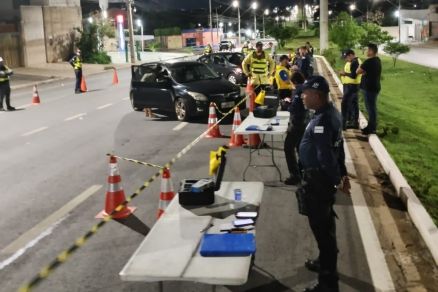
x,y
207,50
77,63
259,66
245,50
6,77
280,83
349,80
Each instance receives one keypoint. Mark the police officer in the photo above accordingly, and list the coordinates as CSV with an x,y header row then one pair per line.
x,y
303,62
76,63
5,88
245,48
258,66
321,155
295,130
283,81
208,50
350,80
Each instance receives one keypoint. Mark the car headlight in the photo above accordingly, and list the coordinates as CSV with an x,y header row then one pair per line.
x,y
197,96
238,70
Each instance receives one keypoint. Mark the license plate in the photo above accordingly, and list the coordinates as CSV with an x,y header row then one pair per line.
x,y
227,104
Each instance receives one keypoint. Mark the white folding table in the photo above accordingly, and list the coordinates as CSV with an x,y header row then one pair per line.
x,y
279,130
170,252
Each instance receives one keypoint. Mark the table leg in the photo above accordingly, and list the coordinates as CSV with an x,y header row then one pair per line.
x,y
161,286
272,155
249,163
213,288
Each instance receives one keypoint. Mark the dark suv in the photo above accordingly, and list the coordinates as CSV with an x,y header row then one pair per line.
x,y
185,88
229,64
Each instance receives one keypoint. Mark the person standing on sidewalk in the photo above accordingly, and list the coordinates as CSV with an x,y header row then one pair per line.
x,y
351,80
5,88
370,85
76,63
323,161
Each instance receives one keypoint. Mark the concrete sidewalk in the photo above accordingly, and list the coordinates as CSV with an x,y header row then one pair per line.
x,y
422,56
44,73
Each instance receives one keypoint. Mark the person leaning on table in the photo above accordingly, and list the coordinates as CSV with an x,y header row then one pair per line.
x,y
322,158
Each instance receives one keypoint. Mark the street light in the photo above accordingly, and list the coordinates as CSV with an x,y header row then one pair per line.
x,y
236,5
266,12
90,19
254,6
140,24
352,7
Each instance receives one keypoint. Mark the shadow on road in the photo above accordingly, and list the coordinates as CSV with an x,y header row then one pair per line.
x,y
135,224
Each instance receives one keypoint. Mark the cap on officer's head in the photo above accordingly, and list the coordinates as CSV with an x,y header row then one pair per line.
x,y
259,44
317,83
347,53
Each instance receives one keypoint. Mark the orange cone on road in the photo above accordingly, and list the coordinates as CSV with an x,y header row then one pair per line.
x,y
214,131
35,96
115,77
236,140
83,84
115,195
167,194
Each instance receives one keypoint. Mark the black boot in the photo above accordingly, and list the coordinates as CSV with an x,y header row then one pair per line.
x,y
313,265
322,287
292,180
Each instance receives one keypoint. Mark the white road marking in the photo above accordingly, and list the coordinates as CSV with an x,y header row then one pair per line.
x,y
75,117
44,228
379,270
25,105
180,126
125,98
34,131
104,106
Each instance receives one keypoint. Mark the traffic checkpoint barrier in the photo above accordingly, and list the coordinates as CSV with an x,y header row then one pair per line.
x,y
418,213
115,195
63,257
167,192
83,84
35,96
115,77
236,140
213,125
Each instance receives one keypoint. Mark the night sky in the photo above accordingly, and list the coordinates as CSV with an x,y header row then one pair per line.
x,y
244,3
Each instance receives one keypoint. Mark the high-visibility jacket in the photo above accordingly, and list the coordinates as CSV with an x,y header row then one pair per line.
x,y
348,79
258,67
207,50
281,73
245,50
6,72
76,62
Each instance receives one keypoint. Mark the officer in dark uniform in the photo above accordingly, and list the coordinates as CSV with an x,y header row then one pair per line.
x,y
76,63
322,158
5,88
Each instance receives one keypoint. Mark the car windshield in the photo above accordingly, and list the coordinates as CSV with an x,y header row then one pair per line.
x,y
185,73
235,59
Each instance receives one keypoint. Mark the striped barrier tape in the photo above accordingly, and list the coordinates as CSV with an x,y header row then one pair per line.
x,y
136,161
62,257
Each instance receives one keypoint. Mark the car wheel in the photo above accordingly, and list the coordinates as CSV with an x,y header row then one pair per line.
x,y
232,78
135,107
182,109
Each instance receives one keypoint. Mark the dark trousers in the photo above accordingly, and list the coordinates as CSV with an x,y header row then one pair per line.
x,y
350,104
282,94
291,144
371,106
320,200
78,74
5,94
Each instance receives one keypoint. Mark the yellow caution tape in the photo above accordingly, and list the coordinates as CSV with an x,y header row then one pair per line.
x,y
66,254
136,161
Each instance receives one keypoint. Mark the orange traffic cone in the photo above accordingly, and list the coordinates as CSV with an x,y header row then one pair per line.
x,y
167,194
83,84
236,140
35,96
115,77
253,139
115,195
214,131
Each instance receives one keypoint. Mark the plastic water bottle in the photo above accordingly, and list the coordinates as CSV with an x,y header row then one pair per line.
x,y
237,195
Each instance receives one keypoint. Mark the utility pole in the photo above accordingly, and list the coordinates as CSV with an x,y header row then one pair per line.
x,y
210,21
217,26
131,30
323,25
399,21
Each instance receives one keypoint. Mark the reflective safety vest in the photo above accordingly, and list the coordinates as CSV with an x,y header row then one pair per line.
x,y
349,80
76,62
6,76
245,50
280,82
207,50
259,65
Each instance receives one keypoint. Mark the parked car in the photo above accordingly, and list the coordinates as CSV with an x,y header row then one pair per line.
x,y
185,88
225,46
228,64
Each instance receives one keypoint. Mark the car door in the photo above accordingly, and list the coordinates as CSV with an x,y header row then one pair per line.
x,y
150,88
220,65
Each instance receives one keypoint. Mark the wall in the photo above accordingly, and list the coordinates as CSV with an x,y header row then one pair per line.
x,y
32,35
56,2
10,49
59,32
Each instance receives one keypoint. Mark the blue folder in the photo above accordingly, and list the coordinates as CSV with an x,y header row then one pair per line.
x,y
228,244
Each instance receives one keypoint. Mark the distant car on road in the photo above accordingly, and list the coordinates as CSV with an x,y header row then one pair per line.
x,y
185,88
229,64
226,46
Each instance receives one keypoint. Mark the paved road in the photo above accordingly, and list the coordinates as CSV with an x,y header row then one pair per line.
x,y
423,56
54,153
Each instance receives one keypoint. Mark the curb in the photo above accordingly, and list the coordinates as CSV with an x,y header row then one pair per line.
x,y
30,84
421,219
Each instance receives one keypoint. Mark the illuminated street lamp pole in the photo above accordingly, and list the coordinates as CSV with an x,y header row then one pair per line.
x,y
140,24
131,30
254,7
265,13
236,5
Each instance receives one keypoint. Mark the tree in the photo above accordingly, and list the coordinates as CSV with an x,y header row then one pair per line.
x,y
376,17
373,33
89,45
395,50
345,32
281,34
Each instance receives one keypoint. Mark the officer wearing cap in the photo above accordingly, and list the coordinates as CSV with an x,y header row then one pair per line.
x,y
321,155
76,63
283,81
5,88
350,80
258,66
